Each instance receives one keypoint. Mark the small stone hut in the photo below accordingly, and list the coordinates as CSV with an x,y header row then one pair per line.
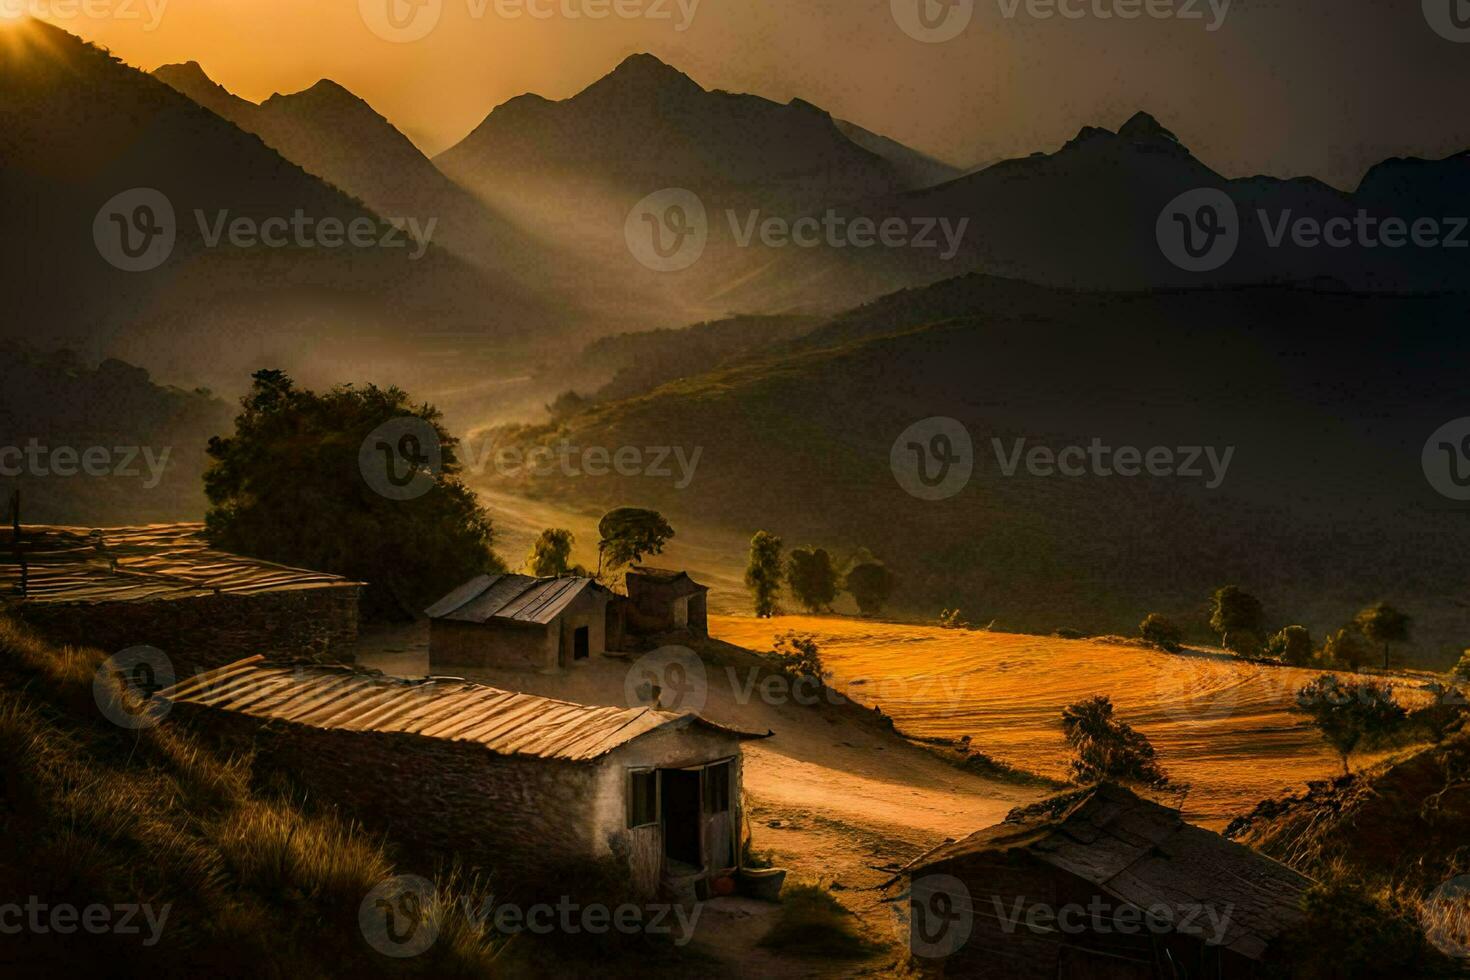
x,y
513,782
517,622
162,585
1098,883
663,601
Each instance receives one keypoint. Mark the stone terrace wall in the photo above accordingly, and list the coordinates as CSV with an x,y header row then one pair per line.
x,y
523,821
211,631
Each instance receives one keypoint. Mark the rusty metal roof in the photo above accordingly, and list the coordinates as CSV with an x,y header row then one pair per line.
x,y
511,598
505,722
1143,853
138,564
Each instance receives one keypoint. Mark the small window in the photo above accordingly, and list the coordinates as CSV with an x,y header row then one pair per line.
x,y
717,788
642,798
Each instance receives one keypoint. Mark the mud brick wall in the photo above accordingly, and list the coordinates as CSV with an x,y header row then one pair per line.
x,y
518,820
211,631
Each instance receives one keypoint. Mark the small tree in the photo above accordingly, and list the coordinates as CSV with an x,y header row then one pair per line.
x,y
797,655
1243,643
763,573
1350,714
871,584
551,553
1107,748
1345,648
1233,609
812,578
1383,624
1159,630
628,534
1293,645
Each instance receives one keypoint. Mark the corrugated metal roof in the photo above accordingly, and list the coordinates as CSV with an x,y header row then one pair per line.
x,y
138,564
513,598
505,722
1143,853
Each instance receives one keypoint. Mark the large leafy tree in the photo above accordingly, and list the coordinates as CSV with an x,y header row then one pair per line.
x,y
1350,714
1233,610
763,573
871,583
1383,624
628,534
812,578
289,486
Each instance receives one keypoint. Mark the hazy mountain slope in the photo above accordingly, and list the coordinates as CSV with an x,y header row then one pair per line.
x,y
915,169
1088,215
153,437
1327,400
78,128
333,134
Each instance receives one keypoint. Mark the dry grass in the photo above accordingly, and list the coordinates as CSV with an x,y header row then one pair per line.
x,y
93,813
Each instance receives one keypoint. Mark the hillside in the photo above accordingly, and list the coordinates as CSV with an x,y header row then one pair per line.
x,y
209,862
1307,387
153,437
79,128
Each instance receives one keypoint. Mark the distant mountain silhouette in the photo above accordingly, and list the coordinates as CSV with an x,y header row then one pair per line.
x,y
81,127
330,132
647,126
1087,216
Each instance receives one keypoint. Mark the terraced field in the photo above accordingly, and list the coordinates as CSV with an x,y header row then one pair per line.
x,y
1223,726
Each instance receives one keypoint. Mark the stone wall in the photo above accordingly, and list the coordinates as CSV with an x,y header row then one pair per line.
x,y
516,819
454,645
211,631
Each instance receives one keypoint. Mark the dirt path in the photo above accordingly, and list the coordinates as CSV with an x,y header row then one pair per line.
x,y
834,796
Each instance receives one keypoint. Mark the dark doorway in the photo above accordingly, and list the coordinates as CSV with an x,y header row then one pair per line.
x,y
681,816
581,643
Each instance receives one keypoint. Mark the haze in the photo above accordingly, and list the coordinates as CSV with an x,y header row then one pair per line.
x,y
1288,88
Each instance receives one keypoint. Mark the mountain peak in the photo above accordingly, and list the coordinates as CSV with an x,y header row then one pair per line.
x,y
643,73
1145,127
184,72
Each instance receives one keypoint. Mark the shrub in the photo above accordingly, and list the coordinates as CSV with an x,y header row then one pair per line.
x,y
953,619
1159,630
1462,669
1349,932
796,655
1346,648
1293,645
1243,643
813,923
1107,748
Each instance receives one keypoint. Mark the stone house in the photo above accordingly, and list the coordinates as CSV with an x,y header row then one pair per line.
x,y
163,586
1097,883
509,782
517,622
665,601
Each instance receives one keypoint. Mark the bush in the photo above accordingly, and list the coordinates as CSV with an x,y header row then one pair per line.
x,y
796,655
1462,669
1107,748
1292,645
1347,648
813,923
1159,630
1243,643
1349,932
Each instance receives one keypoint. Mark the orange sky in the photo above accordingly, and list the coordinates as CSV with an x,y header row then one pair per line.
x,y
1282,86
